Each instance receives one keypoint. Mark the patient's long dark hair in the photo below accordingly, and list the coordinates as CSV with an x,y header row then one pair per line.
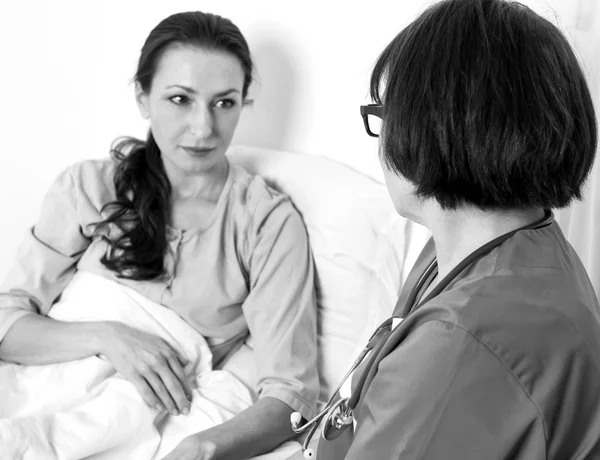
x,y
141,209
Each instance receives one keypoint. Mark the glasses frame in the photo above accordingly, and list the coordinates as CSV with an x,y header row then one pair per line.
x,y
371,109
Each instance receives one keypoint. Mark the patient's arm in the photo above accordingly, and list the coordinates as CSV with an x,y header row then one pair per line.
x,y
35,339
147,361
45,263
256,430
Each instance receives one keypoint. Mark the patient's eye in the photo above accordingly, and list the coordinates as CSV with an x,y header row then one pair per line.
x,y
180,99
225,103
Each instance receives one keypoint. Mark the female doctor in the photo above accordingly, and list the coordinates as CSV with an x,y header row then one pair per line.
x,y
487,124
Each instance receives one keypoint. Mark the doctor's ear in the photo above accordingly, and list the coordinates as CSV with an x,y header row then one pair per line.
x,y
142,101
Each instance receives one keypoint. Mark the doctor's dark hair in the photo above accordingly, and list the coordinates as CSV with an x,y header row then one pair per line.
x,y
485,104
141,209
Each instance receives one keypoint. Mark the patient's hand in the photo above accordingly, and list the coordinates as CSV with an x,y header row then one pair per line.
x,y
151,364
192,448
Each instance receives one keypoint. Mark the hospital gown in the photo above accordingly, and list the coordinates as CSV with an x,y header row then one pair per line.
x,y
249,269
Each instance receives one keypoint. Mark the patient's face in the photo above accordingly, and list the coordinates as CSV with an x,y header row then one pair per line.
x,y
194,105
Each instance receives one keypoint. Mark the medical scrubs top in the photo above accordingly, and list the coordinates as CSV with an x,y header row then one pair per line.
x,y
249,268
504,363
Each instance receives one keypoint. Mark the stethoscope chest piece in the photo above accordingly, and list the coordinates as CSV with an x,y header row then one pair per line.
x,y
336,417
338,420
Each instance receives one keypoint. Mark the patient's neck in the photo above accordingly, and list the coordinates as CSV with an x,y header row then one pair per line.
x,y
457,233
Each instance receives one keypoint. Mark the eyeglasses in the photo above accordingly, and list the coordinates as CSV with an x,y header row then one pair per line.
x,y
372,115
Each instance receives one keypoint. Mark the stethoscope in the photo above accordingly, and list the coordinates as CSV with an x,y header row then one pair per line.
x,y
337,413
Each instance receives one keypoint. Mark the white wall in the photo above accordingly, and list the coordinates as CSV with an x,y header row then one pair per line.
x,y
67,65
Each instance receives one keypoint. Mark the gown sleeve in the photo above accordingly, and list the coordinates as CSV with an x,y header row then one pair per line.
x,y
47,257
281,308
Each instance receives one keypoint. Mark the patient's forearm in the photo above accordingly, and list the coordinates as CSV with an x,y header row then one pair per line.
x,y
36,339
254,431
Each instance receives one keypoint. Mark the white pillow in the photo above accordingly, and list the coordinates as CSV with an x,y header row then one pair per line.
x,y
358,243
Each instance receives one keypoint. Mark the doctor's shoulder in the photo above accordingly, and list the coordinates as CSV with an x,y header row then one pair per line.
x,y
507,319
473,354
539,329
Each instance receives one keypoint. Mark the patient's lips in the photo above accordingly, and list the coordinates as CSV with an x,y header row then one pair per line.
x,y
198,151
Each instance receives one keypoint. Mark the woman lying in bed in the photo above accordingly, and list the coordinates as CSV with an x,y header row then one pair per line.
x,y
174,222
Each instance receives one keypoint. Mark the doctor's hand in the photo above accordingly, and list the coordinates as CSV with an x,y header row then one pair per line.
x,y
193,448
151,364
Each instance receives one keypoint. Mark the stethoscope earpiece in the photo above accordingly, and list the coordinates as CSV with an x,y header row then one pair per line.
x,y
309,453
295,419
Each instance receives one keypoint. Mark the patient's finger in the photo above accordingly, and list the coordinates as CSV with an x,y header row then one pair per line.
x,y
180,374
183,361
175,388
171,355
161,391
144,389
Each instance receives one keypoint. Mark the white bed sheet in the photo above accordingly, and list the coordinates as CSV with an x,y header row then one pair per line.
x,y
84,409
